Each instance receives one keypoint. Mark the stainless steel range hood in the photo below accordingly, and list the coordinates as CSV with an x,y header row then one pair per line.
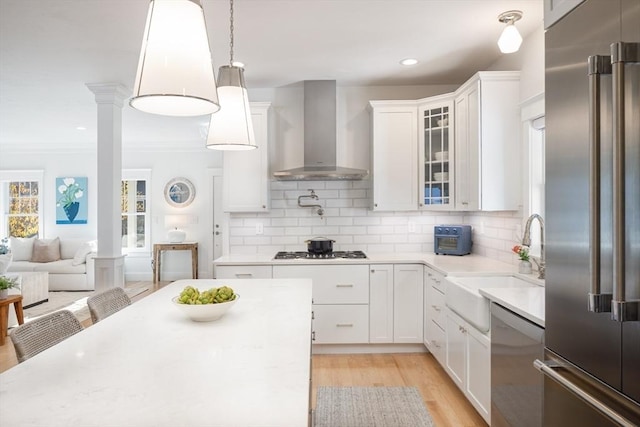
x,y
320,138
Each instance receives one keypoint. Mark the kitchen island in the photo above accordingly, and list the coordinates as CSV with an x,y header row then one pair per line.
x,y
148,365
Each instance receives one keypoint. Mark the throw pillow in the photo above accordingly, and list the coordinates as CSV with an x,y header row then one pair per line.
x,y
21,248
46,250
80,256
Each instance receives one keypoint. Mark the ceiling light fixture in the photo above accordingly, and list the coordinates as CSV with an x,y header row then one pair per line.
x,y
510,39
175,72
232,128
409,61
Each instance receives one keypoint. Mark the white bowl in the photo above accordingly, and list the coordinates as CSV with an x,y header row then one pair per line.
x,y
441,155
442,122
441,176
204,312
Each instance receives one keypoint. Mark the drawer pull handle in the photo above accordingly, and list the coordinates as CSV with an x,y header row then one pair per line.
x,y
239,275
346,285
344,325
435,343
436,308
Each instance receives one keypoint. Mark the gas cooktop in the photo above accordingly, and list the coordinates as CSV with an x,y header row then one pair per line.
x,y
329,255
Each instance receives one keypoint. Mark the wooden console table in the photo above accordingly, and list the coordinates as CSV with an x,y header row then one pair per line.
x,y
158,248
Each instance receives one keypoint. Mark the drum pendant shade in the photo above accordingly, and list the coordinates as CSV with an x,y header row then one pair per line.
x,y
175,72
231,128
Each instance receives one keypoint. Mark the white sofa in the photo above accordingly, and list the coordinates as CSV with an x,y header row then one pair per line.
x,y
74,271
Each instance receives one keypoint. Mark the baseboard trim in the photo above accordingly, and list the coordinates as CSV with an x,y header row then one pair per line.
x,y
367,348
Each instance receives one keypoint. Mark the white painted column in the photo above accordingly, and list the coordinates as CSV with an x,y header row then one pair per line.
x,y
109,263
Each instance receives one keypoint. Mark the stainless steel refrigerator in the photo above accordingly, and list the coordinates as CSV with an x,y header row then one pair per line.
x,y
592,336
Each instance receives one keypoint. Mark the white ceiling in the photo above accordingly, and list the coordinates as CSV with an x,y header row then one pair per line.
x,y
49,50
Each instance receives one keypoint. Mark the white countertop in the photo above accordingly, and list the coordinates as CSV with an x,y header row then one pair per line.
x,y
445,264
526,302
148,365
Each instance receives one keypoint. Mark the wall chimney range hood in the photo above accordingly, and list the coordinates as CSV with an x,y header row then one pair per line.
x,y
320,138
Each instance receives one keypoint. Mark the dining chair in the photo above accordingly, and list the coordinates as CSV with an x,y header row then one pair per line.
x,y
104,304
39,334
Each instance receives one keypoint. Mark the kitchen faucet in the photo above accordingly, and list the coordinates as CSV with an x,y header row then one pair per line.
x,y
526,241
313,196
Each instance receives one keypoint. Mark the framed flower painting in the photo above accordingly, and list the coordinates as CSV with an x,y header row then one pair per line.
x,y
72,204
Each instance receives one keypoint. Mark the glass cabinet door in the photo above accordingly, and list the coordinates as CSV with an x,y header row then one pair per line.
x,y
436,154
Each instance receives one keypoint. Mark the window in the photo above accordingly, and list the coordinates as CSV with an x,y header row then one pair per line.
x,y
21,203
134,203
533,131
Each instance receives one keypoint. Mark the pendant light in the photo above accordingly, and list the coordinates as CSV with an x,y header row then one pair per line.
x,y
175,72
510,39
231,128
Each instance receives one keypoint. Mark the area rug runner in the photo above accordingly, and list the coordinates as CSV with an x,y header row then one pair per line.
x,y
76,302
371,407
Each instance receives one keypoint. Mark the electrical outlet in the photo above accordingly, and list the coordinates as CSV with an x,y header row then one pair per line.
x,y
259,228
411,226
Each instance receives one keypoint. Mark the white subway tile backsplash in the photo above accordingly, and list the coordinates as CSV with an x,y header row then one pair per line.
x,y
284,222
284,240
325,230
339,203
338,185
283,185
348,220
353,194
380,229
393,238
339,221
355,230
366,239
369,220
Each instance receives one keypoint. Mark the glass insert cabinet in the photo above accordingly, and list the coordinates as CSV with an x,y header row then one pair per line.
x,y
436,154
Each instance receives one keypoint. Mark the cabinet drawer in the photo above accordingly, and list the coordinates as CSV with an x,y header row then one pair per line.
x,y
341,324
437,341
332,284
436,304
243,271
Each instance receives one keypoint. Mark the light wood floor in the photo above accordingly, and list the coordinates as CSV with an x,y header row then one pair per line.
x,y
446,403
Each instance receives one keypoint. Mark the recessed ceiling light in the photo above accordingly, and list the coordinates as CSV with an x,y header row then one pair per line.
x,y
238,64
409,61
81,128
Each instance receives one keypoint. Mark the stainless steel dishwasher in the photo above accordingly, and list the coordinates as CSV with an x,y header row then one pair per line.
x,y
516,386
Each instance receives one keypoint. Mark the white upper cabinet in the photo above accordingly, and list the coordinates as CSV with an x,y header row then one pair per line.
x,y
246,173
487,142
394,169
436,153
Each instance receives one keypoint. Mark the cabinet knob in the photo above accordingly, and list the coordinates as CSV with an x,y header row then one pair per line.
x,y
373,271
375,204
264,207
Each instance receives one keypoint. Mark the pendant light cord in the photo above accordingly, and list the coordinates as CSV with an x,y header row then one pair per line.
x,y
231,33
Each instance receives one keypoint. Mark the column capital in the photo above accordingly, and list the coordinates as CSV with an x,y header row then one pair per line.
x,y
109,93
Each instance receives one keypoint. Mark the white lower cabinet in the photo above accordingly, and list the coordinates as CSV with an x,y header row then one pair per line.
x,y
468,362
340,300
242,271
381,303
396,303
434,316
408,307
341,324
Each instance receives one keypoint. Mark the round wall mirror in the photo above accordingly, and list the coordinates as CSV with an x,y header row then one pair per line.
x,y
179,192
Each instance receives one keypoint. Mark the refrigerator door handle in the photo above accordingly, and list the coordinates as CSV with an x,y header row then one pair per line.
x,y
548,369
622,310
597,65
